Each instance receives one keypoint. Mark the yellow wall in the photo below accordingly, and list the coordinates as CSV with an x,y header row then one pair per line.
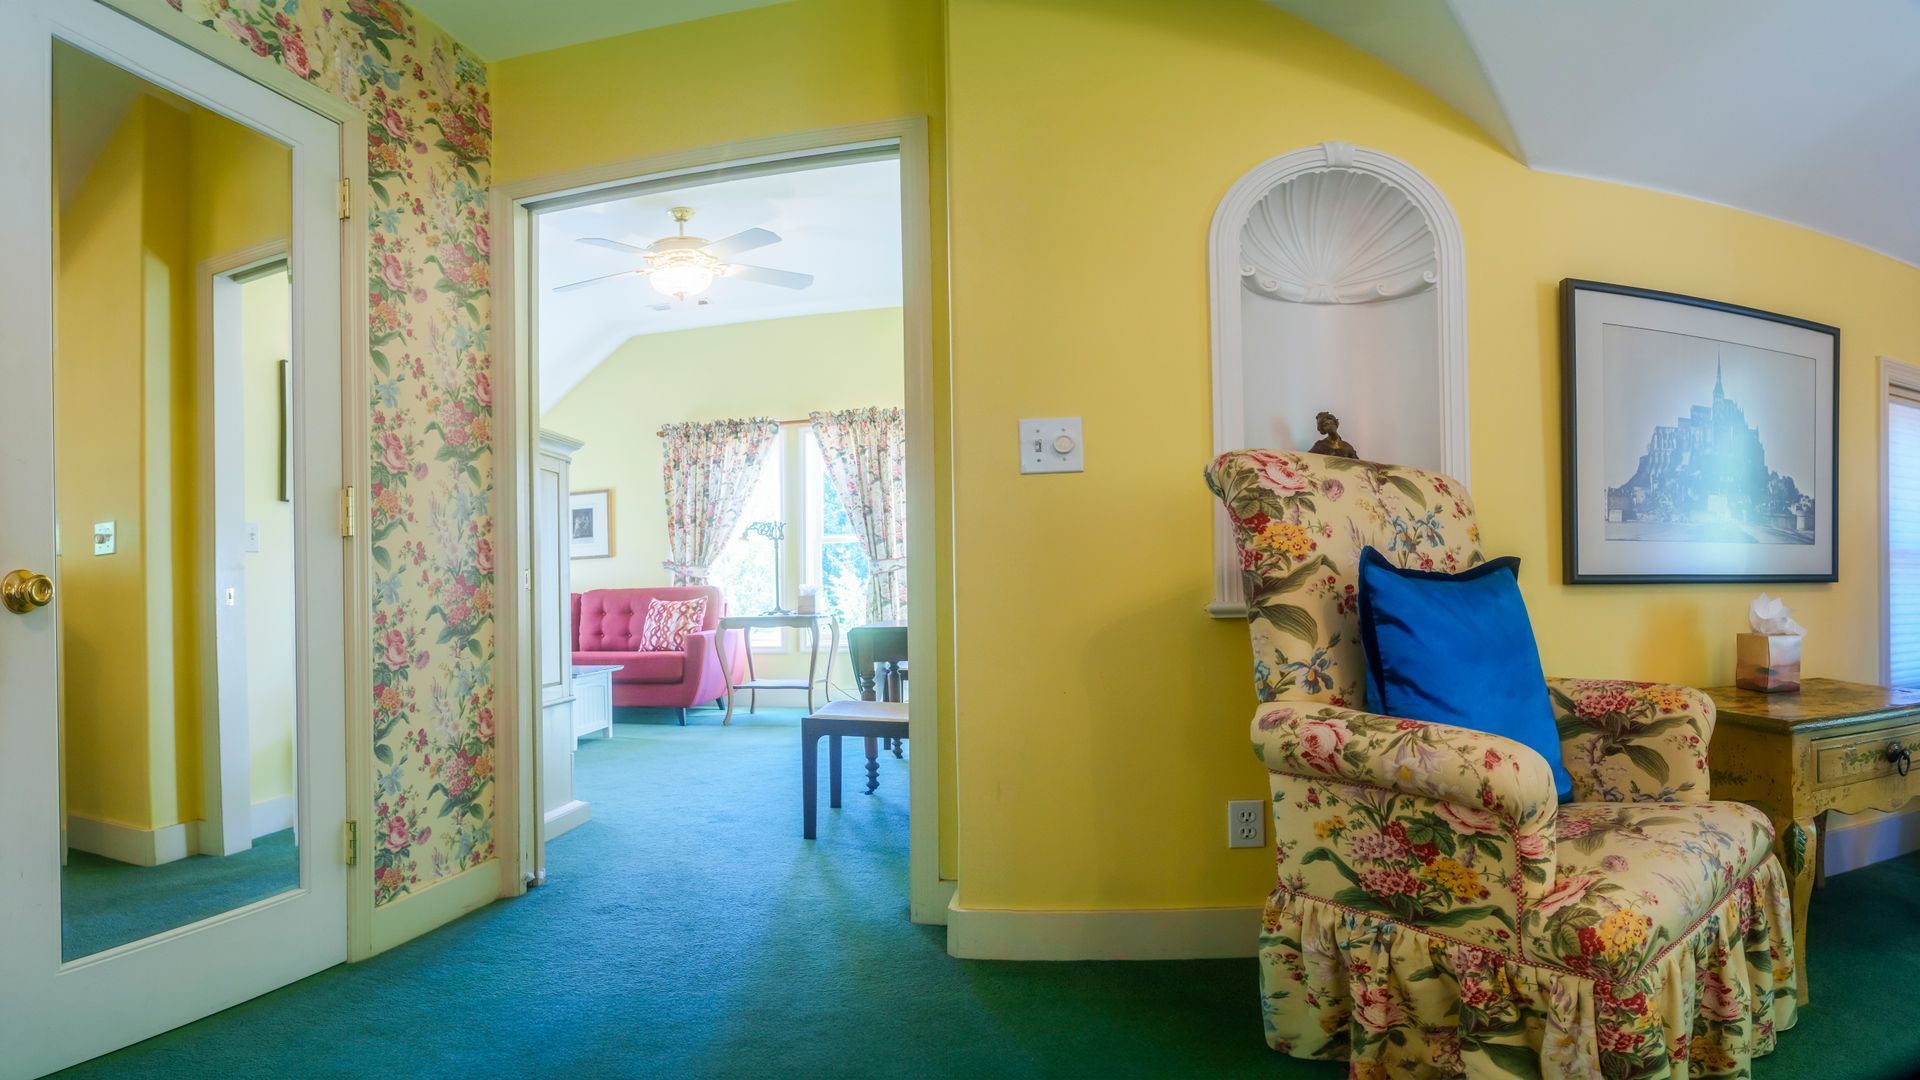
x,y
792,67
98,405
1102,136
167,191
266,331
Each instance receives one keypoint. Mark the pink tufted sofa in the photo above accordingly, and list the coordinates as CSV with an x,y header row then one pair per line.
x,y
606,630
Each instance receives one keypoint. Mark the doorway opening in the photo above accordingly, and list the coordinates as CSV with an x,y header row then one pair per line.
x,y
720,478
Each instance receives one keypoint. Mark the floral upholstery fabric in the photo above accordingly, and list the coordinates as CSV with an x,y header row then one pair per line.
x,y
1630,879
1633,741
1438,911
1301,520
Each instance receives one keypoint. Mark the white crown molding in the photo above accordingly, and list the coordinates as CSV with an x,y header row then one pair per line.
x,y
1228,286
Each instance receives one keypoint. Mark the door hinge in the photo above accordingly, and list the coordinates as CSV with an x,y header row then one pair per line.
x,y
347,512
351,836
346,199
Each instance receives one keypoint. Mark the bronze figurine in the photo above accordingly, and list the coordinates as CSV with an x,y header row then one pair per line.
x,y
1330,442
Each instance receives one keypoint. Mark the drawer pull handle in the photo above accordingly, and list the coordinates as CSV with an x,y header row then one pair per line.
x,y
1901,757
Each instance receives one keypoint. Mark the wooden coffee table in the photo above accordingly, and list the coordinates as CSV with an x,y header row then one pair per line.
x,y
1831,746
871,720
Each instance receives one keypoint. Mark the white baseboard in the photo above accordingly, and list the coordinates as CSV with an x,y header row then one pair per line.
x,y
1850,845
931,906
1154,934
129,844
561,819
273,815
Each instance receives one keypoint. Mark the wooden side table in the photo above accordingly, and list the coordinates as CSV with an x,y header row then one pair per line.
x,y
1831,746
810,622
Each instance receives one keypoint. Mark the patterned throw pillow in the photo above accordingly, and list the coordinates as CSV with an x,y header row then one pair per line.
x,y
669,622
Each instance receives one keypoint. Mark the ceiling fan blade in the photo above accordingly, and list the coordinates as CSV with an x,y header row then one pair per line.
x,y
741,241
593,281
612,245
786,279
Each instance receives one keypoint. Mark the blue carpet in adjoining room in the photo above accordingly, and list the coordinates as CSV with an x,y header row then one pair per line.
x,y
687,930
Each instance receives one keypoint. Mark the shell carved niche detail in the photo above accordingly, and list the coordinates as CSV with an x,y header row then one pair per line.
x,y
1336,236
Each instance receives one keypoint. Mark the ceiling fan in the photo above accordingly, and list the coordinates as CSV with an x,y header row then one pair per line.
x,y
683,266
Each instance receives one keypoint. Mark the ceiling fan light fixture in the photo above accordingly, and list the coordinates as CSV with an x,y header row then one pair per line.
x,y
681,280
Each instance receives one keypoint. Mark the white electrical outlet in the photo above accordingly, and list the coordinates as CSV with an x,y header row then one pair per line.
x,y
1247,823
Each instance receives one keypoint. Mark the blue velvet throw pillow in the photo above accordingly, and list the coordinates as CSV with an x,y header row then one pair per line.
x,y
1457,649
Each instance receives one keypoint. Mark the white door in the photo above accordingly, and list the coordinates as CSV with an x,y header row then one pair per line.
x,y
106,683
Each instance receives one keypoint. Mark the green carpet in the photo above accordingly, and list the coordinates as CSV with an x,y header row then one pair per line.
x,y
104,903
687,930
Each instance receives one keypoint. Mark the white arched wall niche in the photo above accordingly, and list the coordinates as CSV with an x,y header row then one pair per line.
x,y
1338,283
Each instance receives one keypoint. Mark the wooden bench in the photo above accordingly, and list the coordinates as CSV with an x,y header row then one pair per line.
x,y
870,720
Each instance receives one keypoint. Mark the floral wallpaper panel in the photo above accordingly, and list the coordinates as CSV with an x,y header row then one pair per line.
x,y
429,317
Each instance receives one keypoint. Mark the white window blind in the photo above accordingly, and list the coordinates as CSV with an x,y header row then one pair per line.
x,y
1903,536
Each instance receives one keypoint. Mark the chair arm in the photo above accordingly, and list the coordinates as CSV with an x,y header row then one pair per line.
x,y
1633,741
1427,823
1435,761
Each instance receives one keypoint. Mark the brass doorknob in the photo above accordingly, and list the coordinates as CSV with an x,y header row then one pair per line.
x,y
24,590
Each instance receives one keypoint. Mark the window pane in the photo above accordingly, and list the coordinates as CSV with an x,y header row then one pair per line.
x,y
1903,543
834,520
843,576
744,571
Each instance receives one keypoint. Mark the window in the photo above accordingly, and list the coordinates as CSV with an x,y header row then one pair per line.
x,y
744,570
822,549
1903,536
839,566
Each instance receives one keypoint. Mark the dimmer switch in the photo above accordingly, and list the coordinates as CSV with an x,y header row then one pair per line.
x,y
1052,446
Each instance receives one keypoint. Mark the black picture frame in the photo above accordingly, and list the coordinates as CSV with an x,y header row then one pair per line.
x,y
1573,371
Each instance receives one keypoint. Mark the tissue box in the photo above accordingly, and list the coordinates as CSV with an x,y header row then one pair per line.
x,y
1769,663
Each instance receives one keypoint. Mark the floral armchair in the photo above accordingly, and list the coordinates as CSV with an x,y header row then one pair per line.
x,y
1438,911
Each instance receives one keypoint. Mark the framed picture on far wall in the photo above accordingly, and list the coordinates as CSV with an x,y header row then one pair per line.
x,y
1700,439
590,524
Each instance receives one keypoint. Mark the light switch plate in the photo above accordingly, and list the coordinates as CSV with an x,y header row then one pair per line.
x,y
1051,445
253,536
103,538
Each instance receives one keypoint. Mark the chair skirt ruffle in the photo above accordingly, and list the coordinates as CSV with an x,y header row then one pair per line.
x,y
1396,1001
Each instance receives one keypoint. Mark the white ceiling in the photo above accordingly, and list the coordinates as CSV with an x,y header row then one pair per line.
x,y
840,223
497,29
1802,110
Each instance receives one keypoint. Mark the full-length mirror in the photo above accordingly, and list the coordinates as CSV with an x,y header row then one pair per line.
x,y
173,489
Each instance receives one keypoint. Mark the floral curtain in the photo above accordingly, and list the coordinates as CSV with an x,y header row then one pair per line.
x,y
866,457
709,470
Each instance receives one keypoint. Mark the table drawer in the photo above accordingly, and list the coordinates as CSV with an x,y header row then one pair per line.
x,y
1850,758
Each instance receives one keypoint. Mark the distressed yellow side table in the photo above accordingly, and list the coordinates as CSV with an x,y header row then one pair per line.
x,y
1831,746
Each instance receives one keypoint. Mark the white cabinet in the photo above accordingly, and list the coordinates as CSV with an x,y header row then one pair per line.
x,y
553,632
593,700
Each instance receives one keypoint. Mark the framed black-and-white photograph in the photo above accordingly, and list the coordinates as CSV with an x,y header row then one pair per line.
x,y
1700,439
590,524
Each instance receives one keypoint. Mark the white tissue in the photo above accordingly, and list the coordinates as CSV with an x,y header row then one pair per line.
x,y
1769,615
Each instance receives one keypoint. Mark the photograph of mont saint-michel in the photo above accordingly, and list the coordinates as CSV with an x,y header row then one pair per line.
x,y
1713,441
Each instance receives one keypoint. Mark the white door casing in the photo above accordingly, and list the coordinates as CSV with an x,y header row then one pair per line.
x,y
54,1014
